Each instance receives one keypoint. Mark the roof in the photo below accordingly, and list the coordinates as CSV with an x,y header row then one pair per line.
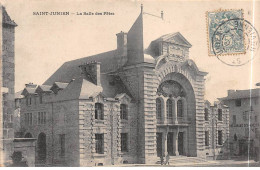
x,y
81,88
61,85
6,18
18,95
44,88
147,29
70,70
242,94
28,90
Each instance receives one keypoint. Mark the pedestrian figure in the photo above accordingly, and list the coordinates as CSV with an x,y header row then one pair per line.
x,y
167,159
161,159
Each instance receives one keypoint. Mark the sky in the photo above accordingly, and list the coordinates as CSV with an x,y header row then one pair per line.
x,y
44,43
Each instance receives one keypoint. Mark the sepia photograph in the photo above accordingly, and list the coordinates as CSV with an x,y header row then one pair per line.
x,y
130,83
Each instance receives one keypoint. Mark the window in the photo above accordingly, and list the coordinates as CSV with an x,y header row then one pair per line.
x,y
179,108
238,102
169,108
28,101
206,114
123,111
158,109
245,116
99,143
220,140
124,141
206,138
220,114
28,118
62,145
41,118
234,120
40,98
99,115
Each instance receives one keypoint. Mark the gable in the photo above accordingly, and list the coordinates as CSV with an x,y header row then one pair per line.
x,y
176,38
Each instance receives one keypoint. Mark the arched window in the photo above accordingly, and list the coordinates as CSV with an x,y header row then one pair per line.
x,y
99,113
158,108
179,108
206,114
169,108
123,112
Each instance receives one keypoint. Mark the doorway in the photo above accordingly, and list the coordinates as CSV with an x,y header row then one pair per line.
x,y
159,144
180,143
41,148
170,143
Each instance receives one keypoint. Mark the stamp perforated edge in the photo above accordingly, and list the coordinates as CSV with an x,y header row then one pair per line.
x,y
207,28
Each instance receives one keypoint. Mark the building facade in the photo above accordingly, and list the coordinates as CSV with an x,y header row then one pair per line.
x,y
7,32
217,130
134,104
244,108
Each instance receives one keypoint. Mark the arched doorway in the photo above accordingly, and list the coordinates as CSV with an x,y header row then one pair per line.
x,y
28,135
41,148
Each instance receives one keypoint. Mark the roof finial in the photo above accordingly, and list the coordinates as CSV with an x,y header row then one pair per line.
x,y
162,14
141,8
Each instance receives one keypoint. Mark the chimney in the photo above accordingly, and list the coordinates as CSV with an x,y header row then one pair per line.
x,y
31,85
162,14
231,92
91,72
122,43
141,8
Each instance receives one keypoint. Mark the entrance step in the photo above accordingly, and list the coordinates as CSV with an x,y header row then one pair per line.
x,y
174,160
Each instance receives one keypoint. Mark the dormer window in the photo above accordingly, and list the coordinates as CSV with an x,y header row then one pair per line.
x,y
123,112
99,111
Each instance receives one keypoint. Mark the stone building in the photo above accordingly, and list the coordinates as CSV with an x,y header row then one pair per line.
x,y
244,109
133,104
7,32
216,130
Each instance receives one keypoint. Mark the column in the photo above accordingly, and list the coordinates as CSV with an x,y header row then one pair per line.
x,y
175,111
165,144
164,111
175,140
185,148
184,108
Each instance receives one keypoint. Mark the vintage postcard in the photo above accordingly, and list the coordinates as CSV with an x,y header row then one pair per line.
x,y
165,83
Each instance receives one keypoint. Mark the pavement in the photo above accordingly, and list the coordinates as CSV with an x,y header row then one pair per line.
x,y
210,163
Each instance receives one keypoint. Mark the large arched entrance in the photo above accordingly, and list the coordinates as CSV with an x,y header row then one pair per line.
x,y
177,125
41,148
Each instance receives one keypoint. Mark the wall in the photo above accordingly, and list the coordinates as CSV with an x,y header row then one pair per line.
x,y
64,120
111,126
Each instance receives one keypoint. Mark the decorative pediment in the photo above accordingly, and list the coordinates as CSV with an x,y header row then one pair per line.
x,y
123,97
176,38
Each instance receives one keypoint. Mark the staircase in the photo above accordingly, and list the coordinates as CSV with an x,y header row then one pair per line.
x,y
184,160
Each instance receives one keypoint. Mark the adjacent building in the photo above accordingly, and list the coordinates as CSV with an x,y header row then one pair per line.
x,y
133,104
7,52
244,108
216,130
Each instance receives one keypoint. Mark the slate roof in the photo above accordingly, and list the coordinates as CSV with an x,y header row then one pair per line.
x,y
18,95
70,70
6,18
45,88
61,85
28,90
242,94
80,88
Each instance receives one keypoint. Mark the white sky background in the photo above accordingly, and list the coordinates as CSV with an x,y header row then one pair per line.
x,y
44,43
